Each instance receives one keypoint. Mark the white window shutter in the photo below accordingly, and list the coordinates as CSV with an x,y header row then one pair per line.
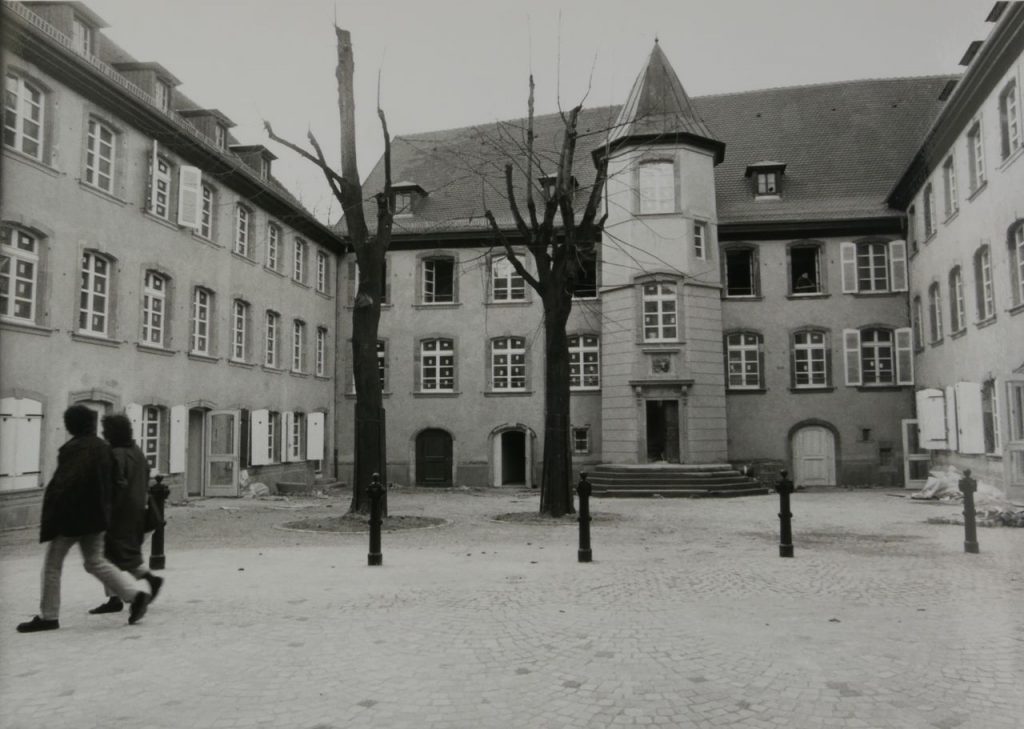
x,y
190,193
970,419
315,437
898,264
8,441
904,356
952,436
286,436
30,433
931,419
848,261
258,434
851,351
134,413
151,190
21,434
179,438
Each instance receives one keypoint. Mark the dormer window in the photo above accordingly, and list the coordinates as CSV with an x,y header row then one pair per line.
x,y
767,178
403,203
405,197
82,36
264,168
547,183
163,96
220,136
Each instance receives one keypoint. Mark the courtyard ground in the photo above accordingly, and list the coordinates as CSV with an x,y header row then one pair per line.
x,y
686,618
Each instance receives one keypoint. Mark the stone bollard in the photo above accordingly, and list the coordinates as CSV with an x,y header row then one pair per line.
x,y
374,558
785,488
583,489
159,494
967,487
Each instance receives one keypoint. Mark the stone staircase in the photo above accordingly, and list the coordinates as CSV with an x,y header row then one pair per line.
x,y
671,480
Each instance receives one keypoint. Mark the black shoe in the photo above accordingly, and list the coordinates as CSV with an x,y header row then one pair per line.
x,y
113,605
37,624
139,604
155,583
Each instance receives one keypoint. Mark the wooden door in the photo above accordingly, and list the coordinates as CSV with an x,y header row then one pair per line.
x,y
222,444
814,457
434,458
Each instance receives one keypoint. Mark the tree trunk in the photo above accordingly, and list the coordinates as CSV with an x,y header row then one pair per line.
x,y
369,445
556,480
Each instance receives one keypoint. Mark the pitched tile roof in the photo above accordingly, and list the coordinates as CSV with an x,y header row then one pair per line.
x,y
844,144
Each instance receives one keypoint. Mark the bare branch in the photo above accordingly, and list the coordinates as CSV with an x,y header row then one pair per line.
x,y
336,182
524,229
499,234
531,206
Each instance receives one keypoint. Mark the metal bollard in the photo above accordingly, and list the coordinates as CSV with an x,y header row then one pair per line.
x,y
583,489
159,492
967,487
374,558
785,488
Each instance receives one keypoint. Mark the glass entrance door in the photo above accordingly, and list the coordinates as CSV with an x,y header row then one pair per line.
x,y
222,453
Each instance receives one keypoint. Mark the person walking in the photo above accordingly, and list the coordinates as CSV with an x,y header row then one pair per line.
x,y
76,510
127,531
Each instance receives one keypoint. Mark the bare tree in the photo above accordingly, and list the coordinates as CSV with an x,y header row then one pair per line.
x,y
559,245
370,249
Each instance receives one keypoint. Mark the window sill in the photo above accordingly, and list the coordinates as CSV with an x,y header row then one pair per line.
x,y
102,194
875,294
985,322
738,297
207,241
383,307
94,339
442,305
508,393
150,349
950,217
351,395
243,257
271,269
450,393
881,388
929,237
322,378
936,343
324,295
812,390
196,357
160,221
977,191
587,391
1014,310
299,283
29,161
958,333
1012,157
813,297
241,363
649,345
14,325
514,303
301,375
274,370
746,391
586,298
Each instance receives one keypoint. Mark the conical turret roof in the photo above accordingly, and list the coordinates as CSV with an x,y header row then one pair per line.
x,y
659,110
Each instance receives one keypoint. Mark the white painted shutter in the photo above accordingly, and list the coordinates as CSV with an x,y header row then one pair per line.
x,y
952,436
286,436
21,421
134,413
179,438
970,419
851,351
931,419
898,264
315,437
8,440
258,434
848,263
190,195
151,191
904,356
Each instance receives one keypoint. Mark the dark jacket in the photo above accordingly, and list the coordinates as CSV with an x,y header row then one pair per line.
x,y
127,518
77,499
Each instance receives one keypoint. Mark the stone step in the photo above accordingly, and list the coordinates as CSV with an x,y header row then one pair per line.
x,y
674,493
671,481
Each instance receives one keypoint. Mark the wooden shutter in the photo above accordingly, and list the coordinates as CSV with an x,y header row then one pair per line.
x,y
851,352
898,265
315,437
190,196
848,263
952,436
904,356
179,439
151,189
258,434
243,439
286,436
970,418
931,419
134,413
21,423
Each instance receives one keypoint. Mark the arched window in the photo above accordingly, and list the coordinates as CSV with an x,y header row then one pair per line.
x,y
154,309
660,312
242,218
812,359
94,295
20,252
438,281
239,330
584,362
508,364
506,283
202,318
24,104
1016,244
878,356
437,365
744,356
917,323
935,312
957,315
983,285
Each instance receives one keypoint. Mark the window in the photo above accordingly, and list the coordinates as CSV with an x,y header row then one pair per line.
x,y
273,246
163,96
273,444
439,281
990,417
220,136
1015,396
271,332
928,200
321,272
659,306
744,355
21,422
912,228
584,362
382,367
811,360
805,270
874,267
19,274
1009,120
149,438
206,216
741,272
100,156
299,261
160,189
321,352
1016,241
298,346
584,279
94,295
949,186
976,156
700,240
242,230
581,441
767,183
154,309
239,330
917,324
437,365
264,168
983,284
878,356
23,116
202,304
957,317
506,283
508,364
935,313
403,203
297,437
81,36
657,187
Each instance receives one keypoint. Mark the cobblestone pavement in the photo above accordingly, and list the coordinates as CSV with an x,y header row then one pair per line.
x,y
686,618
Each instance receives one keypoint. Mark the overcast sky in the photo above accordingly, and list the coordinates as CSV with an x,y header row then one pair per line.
x,y
450,63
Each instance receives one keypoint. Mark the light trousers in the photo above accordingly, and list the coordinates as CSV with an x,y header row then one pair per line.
x,y
118,582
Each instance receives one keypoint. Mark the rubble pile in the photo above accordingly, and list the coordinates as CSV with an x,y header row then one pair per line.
x,y
991,505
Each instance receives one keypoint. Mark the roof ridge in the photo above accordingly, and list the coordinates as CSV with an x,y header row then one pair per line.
x,y
466,127
870,79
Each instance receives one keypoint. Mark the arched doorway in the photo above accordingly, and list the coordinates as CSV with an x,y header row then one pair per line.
x,y
434,458
513,458
814,456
